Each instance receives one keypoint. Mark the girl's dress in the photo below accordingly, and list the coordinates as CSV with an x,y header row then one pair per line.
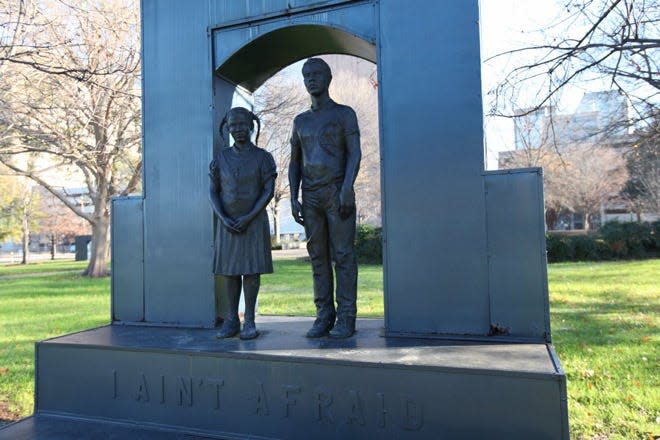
x,y
239,176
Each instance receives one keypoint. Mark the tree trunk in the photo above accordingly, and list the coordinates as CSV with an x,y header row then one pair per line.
x,y
25,240
276,222
52,246
98,258
551,217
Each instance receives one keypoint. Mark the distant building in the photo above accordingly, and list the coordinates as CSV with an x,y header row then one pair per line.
x,y
620,212
42,242
532,129
600,117
78,196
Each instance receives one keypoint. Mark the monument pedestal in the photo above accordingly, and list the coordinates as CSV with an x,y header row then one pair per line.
x,y
283,385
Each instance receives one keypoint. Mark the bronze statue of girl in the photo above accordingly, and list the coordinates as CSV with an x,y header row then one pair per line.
x,y
242,184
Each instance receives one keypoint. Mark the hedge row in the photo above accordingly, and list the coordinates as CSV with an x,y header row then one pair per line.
x,y
369,244
613,241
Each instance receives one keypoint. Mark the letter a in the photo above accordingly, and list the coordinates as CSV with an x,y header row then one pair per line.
x,y
261,405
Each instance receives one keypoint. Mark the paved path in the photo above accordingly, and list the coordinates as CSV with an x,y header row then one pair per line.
x,y
286,254
38,274
34,257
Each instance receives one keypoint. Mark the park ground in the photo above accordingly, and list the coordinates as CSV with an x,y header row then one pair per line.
x,y
605,324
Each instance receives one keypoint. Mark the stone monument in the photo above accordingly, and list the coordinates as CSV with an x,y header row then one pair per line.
x,y
464,351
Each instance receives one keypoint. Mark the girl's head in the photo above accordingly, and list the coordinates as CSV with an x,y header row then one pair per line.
x,y
240,123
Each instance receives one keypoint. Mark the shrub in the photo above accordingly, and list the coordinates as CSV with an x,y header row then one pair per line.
x,y
655,236
628,240
558,248
585,248
369,244
613,241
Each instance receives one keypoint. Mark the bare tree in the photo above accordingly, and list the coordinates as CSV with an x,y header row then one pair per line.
x,y
643,162
610,42
91,126
534,141
546,156
351,87
535,145
277,102
28,211
582,171
25,37
589,178
580,180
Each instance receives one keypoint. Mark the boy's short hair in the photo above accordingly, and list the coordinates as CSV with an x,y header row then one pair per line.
x,y
320,62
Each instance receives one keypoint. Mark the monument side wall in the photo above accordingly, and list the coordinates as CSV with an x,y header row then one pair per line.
x,y
178,136
436,274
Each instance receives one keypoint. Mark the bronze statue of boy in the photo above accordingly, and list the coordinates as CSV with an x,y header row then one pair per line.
x,y
325,159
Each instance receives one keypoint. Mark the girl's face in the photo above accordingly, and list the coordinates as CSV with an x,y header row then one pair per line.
x,y
240,127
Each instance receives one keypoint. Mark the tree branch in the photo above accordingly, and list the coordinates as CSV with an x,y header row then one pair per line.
x,y
62,197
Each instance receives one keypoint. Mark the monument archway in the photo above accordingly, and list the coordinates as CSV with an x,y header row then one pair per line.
x,y
270,49
259,59
450,270
246,53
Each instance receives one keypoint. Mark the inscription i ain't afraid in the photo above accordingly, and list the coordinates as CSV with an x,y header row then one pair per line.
x,y
350,406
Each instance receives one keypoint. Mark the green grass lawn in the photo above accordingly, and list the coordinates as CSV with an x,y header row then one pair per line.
x,y
605,325
33,306
42,267
288,291
605,322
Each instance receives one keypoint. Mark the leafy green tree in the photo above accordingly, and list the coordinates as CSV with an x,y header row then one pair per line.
x,y
19,210
9,208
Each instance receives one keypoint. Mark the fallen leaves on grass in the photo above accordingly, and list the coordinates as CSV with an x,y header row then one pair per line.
x,y
6,415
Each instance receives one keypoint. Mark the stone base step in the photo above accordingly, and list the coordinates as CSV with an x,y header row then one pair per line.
x,y
285,386
53,427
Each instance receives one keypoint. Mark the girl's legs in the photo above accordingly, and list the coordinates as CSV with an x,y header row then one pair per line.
x,y
251,285
232,325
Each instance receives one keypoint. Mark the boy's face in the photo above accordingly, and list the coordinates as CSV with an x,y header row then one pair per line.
x,y
316,78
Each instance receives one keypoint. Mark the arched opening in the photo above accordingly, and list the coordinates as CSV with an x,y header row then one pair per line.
x,y
273,61
264,56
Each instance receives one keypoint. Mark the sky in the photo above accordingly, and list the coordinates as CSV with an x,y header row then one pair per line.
x,y
510,24
505,25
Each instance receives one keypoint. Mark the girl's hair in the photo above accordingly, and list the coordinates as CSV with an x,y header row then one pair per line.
x,y
251,116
